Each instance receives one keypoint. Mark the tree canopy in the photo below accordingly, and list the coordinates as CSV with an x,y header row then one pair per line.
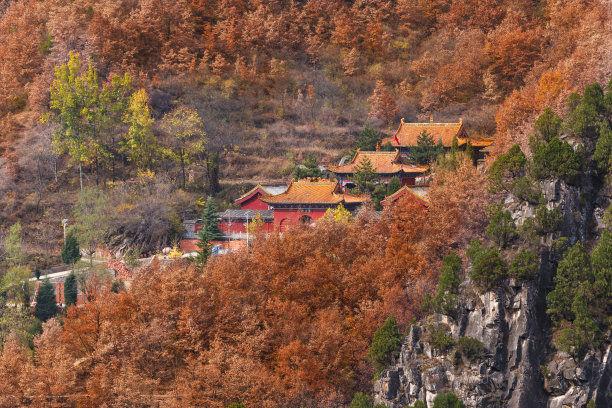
x,y
426,150
46,307
209,231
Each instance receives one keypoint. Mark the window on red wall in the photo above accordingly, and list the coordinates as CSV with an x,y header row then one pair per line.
x,y
306,219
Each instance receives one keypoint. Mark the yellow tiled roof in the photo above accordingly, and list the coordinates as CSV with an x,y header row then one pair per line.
x,y
382,163
313,192
407,133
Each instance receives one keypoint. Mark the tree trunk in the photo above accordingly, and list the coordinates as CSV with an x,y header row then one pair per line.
x,y
183,167
123,165
97,171
40,186
55,166
81,174
113,157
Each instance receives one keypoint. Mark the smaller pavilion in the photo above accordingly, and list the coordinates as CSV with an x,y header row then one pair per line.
x,y
407,135
386,165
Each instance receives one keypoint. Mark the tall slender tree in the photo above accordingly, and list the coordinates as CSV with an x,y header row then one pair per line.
x,y
141,143
12,245
209,232
70,289
71,252
114,101
212,172
45,301
184,126
74,98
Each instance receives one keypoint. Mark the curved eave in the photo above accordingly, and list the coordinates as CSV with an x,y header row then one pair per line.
x,y
250,193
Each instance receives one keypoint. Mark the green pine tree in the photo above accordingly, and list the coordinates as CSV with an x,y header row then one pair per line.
x,y
557,159
209,231
507,166
601,261
449,279
364,175
469,150
377,195
447,400
525,265
548,125
585,120
394,185
361,400
488,269
45,302
308,168
367,139
71,252
70,289
426,151
583,321
385,345
574,268
501,229
603,148
573,101
445,301
454,146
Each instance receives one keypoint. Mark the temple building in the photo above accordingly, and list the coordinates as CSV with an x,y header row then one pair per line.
x,y
386,165
233,223
305,201
407,134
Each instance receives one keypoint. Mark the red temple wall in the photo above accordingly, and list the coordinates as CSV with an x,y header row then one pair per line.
x,y
290,216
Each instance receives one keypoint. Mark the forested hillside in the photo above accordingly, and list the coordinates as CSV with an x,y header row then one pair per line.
x,y
268,78
124,117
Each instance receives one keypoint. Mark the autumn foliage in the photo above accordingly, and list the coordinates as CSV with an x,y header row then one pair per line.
x,y
287,324
435,53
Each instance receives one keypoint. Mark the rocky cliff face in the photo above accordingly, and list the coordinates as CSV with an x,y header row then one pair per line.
x,y
518,368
